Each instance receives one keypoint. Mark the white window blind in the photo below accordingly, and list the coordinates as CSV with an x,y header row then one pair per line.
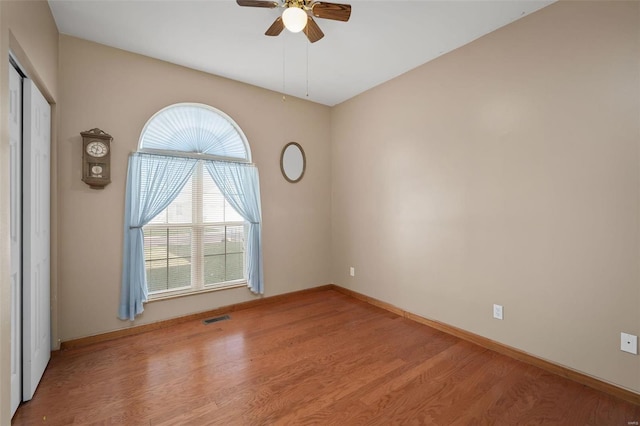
x,y
196,243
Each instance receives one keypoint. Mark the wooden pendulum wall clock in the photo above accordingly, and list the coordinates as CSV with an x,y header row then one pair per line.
x,y
96,158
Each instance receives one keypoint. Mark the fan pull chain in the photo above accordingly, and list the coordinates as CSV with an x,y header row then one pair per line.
x,y
307,68
284,98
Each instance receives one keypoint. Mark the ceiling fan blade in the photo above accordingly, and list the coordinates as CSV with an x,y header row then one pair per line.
x,y
312,30
335,11
257,3
275,28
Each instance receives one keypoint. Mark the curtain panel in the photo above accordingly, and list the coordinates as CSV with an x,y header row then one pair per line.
x,y
153,182
240,185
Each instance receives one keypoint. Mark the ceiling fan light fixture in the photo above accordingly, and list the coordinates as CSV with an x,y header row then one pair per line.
x,y
294,19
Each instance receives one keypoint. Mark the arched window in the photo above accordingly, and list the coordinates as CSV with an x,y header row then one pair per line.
x,y
192,214
195,129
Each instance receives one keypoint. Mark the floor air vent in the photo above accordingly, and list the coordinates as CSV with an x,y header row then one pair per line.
x,y
216,319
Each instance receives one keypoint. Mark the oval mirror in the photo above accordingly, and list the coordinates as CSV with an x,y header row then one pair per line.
x,y
293,162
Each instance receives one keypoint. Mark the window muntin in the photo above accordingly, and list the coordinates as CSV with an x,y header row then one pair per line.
x,y
223,254
196,243
168,258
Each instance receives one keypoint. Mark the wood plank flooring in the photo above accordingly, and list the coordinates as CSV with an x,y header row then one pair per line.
x,y
321,358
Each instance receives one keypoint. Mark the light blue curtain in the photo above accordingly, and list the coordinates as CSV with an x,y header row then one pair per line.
x,y
239,183
153,182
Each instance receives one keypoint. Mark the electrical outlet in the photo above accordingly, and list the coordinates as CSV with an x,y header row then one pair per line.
x,y
629,343
497,311
352,271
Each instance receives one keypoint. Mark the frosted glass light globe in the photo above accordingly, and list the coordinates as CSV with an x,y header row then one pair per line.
x,y
294,18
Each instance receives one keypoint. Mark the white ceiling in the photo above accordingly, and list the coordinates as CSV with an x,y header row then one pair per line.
x,y
382,40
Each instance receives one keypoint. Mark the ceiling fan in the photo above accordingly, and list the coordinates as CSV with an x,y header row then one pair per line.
x,y
296,15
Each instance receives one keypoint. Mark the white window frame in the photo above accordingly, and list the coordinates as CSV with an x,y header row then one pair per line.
x,y
197,227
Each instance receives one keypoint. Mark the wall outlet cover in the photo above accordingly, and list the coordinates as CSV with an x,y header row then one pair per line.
x,y
352,271
497,311
629,343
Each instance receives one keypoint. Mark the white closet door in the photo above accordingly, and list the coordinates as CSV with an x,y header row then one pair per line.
x,y
36,331
15,232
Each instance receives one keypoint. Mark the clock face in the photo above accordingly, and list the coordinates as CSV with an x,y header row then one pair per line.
x,y
97,149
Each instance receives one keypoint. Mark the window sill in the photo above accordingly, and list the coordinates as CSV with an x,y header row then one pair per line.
x,y
184,293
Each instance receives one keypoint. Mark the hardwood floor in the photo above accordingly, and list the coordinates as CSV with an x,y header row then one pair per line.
x,y
322,358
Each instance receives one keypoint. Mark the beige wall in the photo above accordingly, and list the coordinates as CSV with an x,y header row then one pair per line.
x,y
118,92
28,29
507,172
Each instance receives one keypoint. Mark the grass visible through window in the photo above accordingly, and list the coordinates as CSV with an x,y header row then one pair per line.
x,y
168,256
